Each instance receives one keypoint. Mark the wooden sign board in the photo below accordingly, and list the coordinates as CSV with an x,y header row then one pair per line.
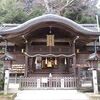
x,y
50,40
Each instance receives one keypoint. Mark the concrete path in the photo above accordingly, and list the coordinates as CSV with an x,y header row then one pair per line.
x,y
51,95
13,88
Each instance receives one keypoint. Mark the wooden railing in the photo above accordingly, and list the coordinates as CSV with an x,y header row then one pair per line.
x,y
48,83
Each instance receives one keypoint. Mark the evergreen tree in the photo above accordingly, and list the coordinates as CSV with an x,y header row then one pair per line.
x,y
19,11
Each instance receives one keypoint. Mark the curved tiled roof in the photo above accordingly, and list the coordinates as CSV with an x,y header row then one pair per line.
x,y
50,18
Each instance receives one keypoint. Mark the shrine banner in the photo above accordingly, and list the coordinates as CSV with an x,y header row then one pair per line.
x,y
50,40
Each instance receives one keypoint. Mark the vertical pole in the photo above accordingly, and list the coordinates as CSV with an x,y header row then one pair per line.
x,y
26,61
62,83
6,43
98,26
95,43
15,78
94,72
38,83
74,59
95,83
97,19
6,83
20,83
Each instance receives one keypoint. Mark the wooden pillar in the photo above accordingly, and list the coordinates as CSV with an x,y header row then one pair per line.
x,y
26,61
74,59
79,78
74,62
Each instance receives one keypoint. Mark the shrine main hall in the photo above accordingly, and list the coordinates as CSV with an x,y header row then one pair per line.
x,y
49,50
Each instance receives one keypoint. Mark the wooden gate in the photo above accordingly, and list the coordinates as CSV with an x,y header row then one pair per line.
x,y
48,83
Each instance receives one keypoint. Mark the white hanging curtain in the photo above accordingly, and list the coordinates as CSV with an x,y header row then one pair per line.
x,y
46,61
36,60
55,61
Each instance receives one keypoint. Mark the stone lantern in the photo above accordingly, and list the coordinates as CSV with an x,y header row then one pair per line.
x,y
93,64
93,61
7,60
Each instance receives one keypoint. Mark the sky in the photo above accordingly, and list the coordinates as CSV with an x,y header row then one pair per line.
x,y
98,4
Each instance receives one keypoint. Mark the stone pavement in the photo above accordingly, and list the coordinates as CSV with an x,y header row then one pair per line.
x,y
13,88
51,95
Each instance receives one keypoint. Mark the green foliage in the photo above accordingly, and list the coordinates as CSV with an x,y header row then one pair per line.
x,y
1,70
1,84
72,15
14,17
14,11
11,11
80,15
1,76
87,19
35,13
79,18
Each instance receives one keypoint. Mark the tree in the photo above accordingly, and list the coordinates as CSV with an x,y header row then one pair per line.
x,y
81,11
19,11
14,11
1,76
57,6
11,11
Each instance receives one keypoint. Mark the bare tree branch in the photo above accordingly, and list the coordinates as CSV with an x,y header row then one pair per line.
x,y
47,5
69,2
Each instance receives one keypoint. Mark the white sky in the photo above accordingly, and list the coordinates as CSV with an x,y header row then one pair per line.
x,y
98,4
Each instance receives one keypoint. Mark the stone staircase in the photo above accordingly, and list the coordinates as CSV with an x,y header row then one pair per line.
x,y
51,95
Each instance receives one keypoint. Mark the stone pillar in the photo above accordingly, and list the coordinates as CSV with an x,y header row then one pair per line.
x,y
95,82
6,83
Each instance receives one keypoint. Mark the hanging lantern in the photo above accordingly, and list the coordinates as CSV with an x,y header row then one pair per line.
x,y
55,61
46,61
65,61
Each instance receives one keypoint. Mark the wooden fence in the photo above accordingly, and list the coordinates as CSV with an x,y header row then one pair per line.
x,y
48,83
